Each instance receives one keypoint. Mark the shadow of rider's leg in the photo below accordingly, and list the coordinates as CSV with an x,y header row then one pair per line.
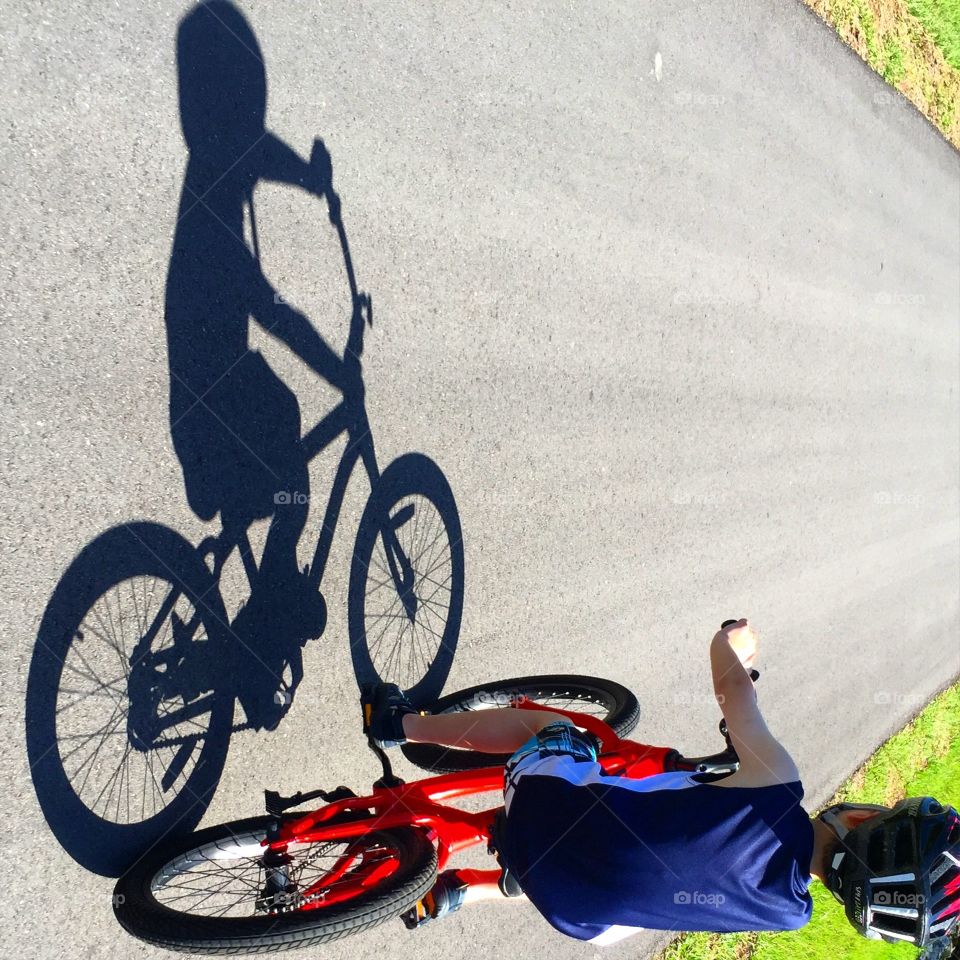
x,y
278,565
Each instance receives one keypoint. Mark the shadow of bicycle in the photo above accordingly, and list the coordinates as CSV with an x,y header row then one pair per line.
x,y
137,668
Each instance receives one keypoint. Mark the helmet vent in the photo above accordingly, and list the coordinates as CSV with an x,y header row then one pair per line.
x,y
943,872
898,927
898,894
904,850
875,858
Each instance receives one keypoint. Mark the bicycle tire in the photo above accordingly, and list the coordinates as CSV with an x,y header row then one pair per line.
x,y
119,555
622,713
410,475
141,915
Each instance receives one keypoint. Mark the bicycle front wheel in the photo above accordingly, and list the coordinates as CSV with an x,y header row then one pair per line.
x,y
213,893
612,703
406,581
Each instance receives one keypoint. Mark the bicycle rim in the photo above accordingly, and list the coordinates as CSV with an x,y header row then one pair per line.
x,y
226,878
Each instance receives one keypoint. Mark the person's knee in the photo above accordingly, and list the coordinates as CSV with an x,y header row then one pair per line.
x,y
545,719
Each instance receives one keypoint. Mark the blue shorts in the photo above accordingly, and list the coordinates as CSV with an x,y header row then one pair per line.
x,y
559,739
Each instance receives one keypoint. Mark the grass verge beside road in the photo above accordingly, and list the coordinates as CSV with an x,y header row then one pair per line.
x,y
923,759
913,44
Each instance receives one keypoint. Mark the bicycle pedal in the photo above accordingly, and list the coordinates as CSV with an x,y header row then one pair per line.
x,y
416,916
277,804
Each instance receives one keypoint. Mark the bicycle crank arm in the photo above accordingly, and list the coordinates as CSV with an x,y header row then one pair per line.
x,y
389,778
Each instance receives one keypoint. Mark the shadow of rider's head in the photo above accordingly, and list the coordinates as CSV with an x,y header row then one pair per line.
x,y
222,83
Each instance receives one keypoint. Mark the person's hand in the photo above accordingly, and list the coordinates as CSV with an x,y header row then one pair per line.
x,y
321,169
743,640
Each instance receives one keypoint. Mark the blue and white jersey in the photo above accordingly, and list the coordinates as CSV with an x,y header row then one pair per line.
x,y
601,856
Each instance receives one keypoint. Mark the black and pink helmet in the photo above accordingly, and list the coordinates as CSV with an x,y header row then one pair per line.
x,y
898,874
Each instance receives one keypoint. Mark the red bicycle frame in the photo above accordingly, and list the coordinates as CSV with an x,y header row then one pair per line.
x,y
423,804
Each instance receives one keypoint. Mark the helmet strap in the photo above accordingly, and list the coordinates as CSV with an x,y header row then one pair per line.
x,y
831,817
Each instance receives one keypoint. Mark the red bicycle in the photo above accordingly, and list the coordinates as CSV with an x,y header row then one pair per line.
x,y
286,880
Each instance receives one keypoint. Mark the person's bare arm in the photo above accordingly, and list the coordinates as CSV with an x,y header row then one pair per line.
x,y
487,731
763,760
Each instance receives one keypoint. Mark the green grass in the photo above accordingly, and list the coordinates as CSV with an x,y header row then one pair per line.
x,y
913,44
893,68
923,759
941,18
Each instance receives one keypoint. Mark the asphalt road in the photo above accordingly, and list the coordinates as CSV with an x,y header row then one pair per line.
x,y
670,293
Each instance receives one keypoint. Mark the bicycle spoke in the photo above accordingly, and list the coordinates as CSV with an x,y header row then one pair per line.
x,y
432,595
582,703
377,585
403,649
86,628
90,675
432,567
115,777
92,758
388,616
437,584
224,879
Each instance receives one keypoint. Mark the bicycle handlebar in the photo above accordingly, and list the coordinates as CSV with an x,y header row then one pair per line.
x,y
362,302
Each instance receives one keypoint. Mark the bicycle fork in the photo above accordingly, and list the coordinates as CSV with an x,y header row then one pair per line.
x,y
400,567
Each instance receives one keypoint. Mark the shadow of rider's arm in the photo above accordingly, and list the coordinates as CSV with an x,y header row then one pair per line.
x,y
291,327
282,164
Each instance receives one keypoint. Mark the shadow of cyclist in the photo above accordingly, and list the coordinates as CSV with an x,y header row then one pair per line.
x,y
235,424
134,675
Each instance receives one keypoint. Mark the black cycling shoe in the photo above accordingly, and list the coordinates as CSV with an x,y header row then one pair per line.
x,y
384,707
446,897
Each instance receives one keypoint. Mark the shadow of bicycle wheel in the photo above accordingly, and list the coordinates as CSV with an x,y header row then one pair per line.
x,y
129,707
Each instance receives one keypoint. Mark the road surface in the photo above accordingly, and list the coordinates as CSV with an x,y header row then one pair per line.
x,y
670,293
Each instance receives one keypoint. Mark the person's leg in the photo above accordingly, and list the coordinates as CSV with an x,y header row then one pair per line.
x,y
487,891
449,894
487,731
